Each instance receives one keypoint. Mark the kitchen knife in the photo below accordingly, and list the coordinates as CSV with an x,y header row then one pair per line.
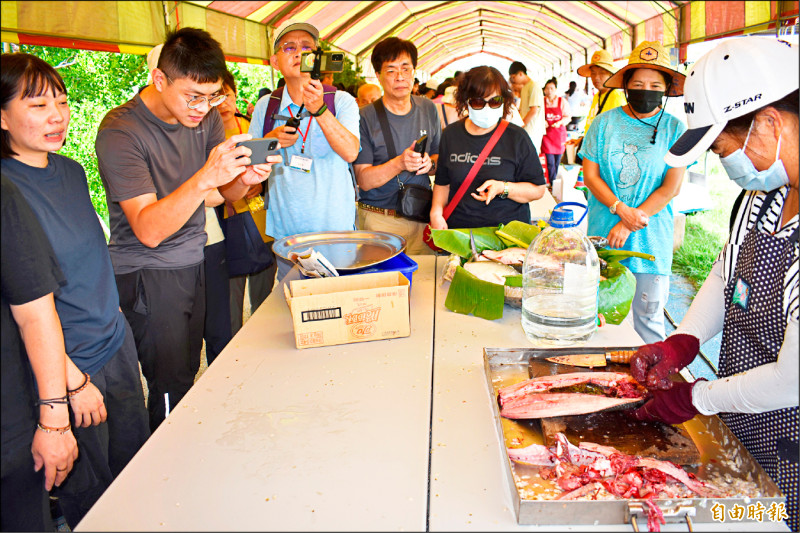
x,y
594,359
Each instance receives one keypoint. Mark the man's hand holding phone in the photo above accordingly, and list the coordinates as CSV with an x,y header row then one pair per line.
x,y
312,95
414,159
263,154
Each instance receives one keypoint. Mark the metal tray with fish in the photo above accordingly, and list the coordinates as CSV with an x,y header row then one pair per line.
x,y
719,458
348,251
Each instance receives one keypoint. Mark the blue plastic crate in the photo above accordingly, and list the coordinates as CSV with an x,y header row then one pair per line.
x,y
399,263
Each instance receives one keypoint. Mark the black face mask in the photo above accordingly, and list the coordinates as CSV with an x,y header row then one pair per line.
x,y
644,101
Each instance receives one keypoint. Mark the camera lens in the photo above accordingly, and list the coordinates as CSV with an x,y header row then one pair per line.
x,y
337,57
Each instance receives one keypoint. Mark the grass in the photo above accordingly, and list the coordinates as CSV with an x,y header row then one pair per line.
x,y
706,231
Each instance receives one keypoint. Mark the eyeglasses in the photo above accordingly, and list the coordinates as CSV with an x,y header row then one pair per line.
x,y
393,72
193,102
479,103
290,48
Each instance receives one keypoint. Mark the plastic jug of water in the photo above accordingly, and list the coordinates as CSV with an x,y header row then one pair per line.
x,y
560,280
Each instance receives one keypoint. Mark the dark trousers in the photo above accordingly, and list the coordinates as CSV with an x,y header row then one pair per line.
x,y
260,286
24,505
218,311
553,160
166,310
105,449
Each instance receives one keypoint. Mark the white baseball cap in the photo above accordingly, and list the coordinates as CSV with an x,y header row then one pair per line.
x,y
292,25
736,78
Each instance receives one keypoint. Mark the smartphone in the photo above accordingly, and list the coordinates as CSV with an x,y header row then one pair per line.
x,y
261,148
421,144
318,61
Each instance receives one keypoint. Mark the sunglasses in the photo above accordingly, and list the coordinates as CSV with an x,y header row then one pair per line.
x,y
479,103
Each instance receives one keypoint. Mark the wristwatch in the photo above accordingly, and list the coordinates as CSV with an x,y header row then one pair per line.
x,y
320,111
504,195
613,207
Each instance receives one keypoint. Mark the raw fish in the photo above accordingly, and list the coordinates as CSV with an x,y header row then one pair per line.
x,y
570,394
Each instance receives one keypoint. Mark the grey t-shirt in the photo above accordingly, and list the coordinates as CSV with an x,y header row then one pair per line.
x,y
137,153
421,120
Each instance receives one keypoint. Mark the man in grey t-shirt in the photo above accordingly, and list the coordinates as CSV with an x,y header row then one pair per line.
x,y
378,174
161,156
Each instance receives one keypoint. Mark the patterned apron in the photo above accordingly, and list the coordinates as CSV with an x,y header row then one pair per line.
x,y
755,324
554,138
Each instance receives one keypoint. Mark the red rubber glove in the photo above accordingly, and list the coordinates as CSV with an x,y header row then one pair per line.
x,y
653,364
672,406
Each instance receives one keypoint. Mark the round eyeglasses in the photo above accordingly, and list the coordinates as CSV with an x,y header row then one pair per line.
x,y
479,103
193,102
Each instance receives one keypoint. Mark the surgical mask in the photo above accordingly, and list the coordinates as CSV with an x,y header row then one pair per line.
x,y
742,171
486,117
643,101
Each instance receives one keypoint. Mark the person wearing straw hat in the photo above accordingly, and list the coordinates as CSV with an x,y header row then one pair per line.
x,y
599,69
741,101
632,188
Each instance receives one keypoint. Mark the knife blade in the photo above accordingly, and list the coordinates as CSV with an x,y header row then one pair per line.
x,y
594,359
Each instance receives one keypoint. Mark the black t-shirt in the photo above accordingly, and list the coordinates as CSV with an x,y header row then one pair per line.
x,y
29,271
513,159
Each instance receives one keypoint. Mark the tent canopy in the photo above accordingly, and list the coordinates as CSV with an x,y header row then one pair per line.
x,y
553,37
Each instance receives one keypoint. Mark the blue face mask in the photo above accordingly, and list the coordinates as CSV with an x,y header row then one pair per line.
x,y
741,170
486,117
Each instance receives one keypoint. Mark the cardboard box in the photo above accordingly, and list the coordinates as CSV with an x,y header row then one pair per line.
x,y
363,307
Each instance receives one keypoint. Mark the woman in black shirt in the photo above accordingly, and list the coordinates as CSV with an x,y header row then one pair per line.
x,y
510,177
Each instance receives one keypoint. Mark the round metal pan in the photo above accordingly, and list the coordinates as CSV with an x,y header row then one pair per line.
x,y
346,250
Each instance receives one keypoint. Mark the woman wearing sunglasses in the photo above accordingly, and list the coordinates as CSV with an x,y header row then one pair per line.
x,y
511,175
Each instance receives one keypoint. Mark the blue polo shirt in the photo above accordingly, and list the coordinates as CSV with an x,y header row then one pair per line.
x,y
323,199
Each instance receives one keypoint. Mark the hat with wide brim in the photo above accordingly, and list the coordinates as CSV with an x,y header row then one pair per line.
x,y
737,77
652,55
292,25
600,58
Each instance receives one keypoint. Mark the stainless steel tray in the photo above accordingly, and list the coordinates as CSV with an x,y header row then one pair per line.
x,y
724,461
346,250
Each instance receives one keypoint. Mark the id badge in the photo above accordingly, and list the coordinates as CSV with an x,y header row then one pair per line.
x,y
301,163
741,293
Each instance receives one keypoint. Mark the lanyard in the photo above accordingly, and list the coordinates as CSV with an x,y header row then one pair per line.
x,y
238,126
303,146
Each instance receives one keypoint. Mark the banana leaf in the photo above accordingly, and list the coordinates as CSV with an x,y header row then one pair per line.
x,y
616,293
470,295
517,233
456,241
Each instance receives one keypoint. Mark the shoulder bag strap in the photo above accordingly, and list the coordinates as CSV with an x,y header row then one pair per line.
x,y
273,104
450,207
603,103
387,131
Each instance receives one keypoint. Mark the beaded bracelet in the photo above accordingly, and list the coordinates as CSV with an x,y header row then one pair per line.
x,y
48,429
86,381
53,401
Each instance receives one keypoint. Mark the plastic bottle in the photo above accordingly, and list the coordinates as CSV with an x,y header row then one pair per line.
x,y
560,280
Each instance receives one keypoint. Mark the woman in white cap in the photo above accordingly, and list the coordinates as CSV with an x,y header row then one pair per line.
x,y
741,102
632,188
